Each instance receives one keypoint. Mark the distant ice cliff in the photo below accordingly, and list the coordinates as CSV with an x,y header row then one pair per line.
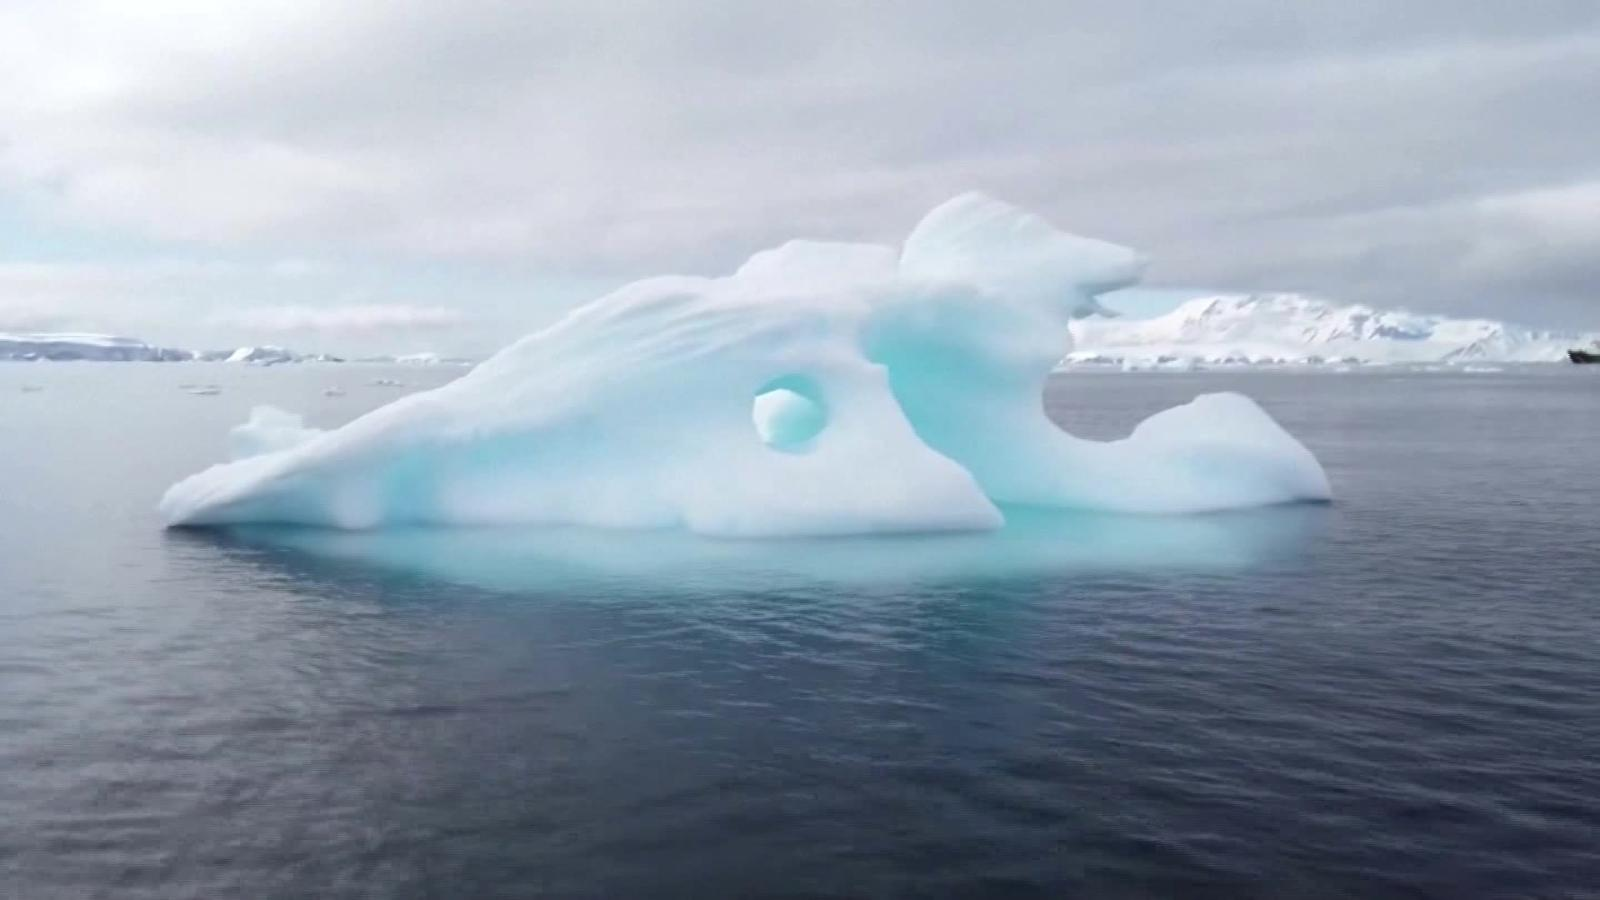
x,y
100,347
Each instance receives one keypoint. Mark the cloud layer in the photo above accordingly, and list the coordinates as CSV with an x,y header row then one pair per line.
x,y
1432,154
362,320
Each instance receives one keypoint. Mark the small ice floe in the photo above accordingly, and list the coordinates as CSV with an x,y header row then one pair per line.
x,y
333,392
269,430
32,388
1481,370
386,382
201,390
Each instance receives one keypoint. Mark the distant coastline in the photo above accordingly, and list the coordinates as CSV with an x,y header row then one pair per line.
x,y
81,347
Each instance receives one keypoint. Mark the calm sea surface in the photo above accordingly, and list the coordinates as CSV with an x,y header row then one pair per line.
x,y
1394,696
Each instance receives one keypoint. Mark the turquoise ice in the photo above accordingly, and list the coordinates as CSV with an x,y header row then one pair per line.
x,y
823,388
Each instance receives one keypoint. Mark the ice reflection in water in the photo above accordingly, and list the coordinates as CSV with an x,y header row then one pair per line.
x,y
1034,543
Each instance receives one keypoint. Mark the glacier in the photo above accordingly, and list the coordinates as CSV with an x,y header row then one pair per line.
x,y
57,347
1292,329
821,389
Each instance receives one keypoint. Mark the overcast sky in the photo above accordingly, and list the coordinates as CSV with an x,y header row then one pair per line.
x,y
403,176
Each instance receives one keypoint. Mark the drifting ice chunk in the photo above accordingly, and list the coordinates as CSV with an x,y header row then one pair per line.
x,y
888,392
270,430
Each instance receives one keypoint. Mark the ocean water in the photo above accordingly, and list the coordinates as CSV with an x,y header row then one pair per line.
x,y
1397,695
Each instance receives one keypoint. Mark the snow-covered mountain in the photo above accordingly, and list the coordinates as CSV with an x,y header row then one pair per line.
x,y
1290,329
100,347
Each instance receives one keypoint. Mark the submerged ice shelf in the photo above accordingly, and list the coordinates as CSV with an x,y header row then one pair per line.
x,y
823,388
574,561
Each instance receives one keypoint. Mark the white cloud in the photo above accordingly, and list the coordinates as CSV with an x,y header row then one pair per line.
x,y
31,315
358,320
1564,213
100,296
204,303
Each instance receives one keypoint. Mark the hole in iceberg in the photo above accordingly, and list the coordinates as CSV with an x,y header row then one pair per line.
x,y
789,413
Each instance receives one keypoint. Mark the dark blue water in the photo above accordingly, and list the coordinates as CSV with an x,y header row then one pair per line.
x,y
1397,695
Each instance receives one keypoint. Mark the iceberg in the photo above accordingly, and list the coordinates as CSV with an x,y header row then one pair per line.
x,y
820,389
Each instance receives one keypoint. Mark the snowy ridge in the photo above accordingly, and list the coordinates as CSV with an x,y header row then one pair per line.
x,y
1287,329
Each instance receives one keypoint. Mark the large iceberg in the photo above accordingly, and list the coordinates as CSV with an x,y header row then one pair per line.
x,y
823,388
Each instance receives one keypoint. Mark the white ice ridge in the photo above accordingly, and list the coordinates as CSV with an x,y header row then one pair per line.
x,y
823,388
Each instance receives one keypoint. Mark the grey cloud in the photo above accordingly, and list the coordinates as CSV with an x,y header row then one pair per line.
x,y
1356,150
18,314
